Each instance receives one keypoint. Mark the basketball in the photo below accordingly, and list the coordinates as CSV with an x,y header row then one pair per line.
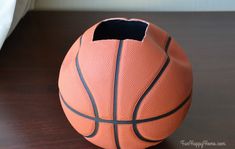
x,y
125,83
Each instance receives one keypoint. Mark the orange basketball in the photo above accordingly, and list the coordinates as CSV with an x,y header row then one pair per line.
x,y
125,84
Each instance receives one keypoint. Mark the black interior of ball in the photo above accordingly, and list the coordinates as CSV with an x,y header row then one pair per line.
x,y
120,29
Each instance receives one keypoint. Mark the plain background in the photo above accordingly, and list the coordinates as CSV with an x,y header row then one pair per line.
x,y
136,5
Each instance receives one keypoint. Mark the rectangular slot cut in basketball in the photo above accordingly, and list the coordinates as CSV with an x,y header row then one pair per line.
x,y
120,29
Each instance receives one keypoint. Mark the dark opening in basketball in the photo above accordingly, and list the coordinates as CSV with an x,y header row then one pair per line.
x,y
120,29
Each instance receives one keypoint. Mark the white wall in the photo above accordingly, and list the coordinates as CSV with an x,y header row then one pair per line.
x,y
137,5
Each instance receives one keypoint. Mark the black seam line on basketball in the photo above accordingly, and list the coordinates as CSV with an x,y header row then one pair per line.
x,y
116,92
150,87
164,115
88,92
139,121
143,96
167,43
147,91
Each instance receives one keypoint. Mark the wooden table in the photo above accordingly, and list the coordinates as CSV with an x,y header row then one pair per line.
x,y
30,112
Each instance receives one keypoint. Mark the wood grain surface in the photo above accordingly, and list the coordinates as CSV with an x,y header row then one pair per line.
x,y
30,113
